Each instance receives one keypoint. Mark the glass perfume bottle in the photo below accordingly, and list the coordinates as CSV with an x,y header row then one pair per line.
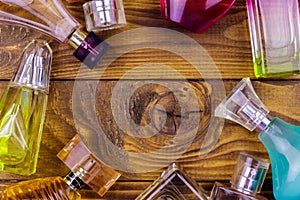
x,y
274,31
22,110
85,169
247,180
51,18
104,14
173,184
281,139
195,15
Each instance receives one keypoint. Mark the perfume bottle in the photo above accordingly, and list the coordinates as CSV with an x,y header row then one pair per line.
x,y
51,18
247,180
274,31
85,169
281,139
22,110
173,184
195,15
104,14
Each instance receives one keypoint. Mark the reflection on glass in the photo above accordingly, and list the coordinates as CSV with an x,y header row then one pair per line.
x,y
173,184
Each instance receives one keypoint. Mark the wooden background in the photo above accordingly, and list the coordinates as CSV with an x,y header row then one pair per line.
x,y
227,42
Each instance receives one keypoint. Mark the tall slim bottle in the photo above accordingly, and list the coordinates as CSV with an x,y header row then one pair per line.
x,y
275,36
22,110
281,139
85,169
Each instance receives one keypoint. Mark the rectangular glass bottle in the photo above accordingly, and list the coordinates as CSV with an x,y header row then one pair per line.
x,y
22,110
274,31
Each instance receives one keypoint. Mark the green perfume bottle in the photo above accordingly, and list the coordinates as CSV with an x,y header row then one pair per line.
x,y
281,139
275,37
22,110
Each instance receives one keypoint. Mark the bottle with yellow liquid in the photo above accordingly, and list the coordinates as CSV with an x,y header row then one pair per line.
x,y
22,110
84,167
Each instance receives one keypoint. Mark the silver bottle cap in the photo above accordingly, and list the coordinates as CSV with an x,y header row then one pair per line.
x,y
249,174
35,66
244,107
104,14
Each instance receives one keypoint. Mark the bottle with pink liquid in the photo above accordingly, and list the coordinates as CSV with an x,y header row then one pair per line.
x,y
195,15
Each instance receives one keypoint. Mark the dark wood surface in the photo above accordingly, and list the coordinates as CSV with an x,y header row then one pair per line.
x,y
228,44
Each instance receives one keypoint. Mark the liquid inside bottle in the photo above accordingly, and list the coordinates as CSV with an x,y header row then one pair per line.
x,y
54,188
274,30
23,108
195,15
21,118
283,144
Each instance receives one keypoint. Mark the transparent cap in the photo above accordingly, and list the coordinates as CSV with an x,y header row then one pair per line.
x,y
34,67
249,174
87,167
244,107
104,14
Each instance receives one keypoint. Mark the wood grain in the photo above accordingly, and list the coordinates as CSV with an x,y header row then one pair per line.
x,y
216,165
227,43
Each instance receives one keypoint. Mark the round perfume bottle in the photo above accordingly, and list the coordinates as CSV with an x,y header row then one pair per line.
x,y
195,15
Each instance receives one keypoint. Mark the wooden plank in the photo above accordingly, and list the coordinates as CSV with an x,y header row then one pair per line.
x,y
217,165
133,188
227,42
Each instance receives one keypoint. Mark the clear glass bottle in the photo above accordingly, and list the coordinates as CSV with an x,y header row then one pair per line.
x,y
52,18
274,31
85,169
281,139
173,184
22,110
195,15
246,182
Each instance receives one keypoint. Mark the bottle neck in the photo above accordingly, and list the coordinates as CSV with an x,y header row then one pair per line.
x,y
74,181
264,123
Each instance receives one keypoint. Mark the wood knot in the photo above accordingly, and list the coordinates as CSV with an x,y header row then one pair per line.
x,y
169,110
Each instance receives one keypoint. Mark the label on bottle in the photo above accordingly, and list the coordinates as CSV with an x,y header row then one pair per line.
x,y
91,50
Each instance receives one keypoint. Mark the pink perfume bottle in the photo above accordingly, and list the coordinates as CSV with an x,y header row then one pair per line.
x,y
195,15
85,169
247,180
53,19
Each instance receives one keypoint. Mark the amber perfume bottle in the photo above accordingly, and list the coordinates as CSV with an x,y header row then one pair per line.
x,y
246,182
84,167
22,110
173,184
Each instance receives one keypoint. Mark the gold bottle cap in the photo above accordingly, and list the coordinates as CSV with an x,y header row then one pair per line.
x,y
87,167
89,47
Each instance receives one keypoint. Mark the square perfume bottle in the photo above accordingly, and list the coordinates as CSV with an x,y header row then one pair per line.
x,y
274,31
173,184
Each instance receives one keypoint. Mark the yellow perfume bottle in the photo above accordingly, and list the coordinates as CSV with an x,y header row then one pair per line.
x,y
22,110
85,169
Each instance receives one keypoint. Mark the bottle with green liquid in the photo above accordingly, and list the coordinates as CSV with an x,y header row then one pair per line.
x,y
281,139
275,37
22,110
